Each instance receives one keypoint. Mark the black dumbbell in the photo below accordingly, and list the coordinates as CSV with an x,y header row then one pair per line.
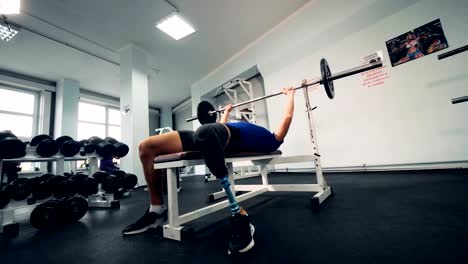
x,y
42,189
66,188
47,215
68,147
45,145
10,146
54,183
128,181
19,189
88,186
121,149
74,208
100,175
103,148
85,185
110,184
5,198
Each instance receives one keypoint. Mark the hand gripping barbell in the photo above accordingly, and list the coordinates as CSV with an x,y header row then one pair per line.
x,y
206,112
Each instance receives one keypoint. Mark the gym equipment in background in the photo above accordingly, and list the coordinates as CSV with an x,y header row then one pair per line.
x,y
53,213
68,146
45,146
206,112
10,146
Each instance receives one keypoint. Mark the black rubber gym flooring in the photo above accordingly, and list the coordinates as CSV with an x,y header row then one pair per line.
x,y
406,217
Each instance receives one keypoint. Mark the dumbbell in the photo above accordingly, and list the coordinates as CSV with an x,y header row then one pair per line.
x,y
86,147
5,198
127,181
10,146
61,186
56,212
121,149
103,148
85,185
42,190
19,189
109,183
67,146
45,145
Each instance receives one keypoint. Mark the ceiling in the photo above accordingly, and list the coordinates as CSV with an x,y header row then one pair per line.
x,y
104,27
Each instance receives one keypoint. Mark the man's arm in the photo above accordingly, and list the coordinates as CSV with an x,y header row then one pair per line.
x,y
283,128
225,116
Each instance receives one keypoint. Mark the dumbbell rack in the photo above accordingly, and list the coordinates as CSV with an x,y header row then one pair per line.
x,y
9,227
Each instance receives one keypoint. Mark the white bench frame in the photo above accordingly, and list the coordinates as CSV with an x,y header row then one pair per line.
x,y
173,229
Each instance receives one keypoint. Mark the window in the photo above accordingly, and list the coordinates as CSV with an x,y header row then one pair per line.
x,y
18,112
98,120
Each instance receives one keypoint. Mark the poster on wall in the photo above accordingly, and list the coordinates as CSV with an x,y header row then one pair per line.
x,y
375,77
417,43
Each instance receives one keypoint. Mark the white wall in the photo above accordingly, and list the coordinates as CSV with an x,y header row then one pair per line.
x,y
409,119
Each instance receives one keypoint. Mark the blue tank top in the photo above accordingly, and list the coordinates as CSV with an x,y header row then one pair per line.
x,y
255,138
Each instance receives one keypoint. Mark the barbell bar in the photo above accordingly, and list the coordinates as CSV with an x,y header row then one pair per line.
x,y
326,80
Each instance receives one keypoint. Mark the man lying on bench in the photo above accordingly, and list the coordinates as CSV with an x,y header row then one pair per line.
x,y
214,141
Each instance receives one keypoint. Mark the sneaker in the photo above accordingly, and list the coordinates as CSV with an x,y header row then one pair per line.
x,y
147,221
242,231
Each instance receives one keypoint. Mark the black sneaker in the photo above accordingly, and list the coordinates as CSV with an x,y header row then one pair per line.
x,y
242,231
147,221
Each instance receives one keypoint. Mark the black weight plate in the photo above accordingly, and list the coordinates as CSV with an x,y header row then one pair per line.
x,y
203,115
70,148
326,74
38,139
63,139
75,208
46,215
47,148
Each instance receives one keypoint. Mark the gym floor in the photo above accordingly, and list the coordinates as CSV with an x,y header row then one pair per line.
x,y
405,217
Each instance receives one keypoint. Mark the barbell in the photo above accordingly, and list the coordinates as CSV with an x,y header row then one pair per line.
x,y
206,112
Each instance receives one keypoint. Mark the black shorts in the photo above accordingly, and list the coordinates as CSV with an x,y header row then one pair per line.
x,y
186,137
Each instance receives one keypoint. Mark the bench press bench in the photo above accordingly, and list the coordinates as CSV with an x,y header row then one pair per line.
x,y
171,162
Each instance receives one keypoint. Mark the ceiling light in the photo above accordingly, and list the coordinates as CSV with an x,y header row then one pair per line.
x,y
9,7
7,32
175,26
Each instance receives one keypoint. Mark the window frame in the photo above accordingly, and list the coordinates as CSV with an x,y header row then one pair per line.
x,y
36,109
106,121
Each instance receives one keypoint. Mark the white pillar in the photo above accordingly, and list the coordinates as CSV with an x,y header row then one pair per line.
x,y
166,116
67,97
134,106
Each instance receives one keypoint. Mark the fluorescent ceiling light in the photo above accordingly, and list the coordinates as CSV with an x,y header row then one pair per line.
x,y
9,7
175,26
7,32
